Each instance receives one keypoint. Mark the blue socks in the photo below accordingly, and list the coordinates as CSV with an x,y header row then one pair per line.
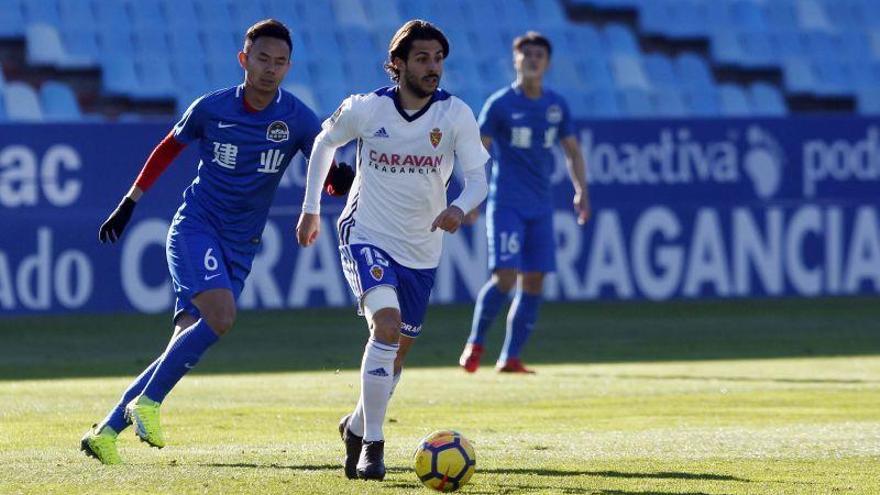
x,y
520,322
181,356
116,418
489,302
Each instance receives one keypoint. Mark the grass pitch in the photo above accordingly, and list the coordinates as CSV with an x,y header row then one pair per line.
x,y
771,397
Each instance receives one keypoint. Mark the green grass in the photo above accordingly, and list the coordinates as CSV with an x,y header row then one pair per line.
x,y
745,397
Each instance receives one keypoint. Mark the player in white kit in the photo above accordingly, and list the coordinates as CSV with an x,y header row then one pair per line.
x,y
391,230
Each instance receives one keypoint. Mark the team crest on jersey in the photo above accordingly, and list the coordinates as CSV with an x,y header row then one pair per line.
x,y
278,132
554,114
435,136
377,272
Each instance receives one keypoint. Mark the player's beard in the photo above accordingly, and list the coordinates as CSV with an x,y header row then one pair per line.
x,y
414,84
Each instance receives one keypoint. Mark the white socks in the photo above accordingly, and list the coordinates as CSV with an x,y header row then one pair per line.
x,y
356,423
377,381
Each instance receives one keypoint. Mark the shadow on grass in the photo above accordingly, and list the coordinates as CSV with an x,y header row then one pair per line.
x,y
618,474
332,339
293,467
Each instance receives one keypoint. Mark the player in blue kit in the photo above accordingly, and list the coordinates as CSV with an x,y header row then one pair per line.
x,y
523,121
246,136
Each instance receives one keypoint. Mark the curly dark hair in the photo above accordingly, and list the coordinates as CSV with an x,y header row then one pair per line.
x,y
402,41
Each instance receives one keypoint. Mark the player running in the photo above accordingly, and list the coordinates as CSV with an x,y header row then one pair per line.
x,y
247,136
524,121
390,232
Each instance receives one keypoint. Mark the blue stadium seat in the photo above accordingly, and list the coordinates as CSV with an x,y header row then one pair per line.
x,y
854,45
283,10
318,15
767,100
619,39
181,15
76,15
496,72
788,43
44,46
797,73
22,103
660,71
190,72
112,16
59,102
693,72
516,15
185,42
115,43
81,44
245,14
780,14
597,74
748,16
146,13
702,102
725,47
604,104
150,41
669,103
43,11
351,13
757,47
118,76
734,101
636,103
490,43
356,41
460,43
461,73
832,78
811,16
219,46
868,102
11,20
418,10
628,72
383,13
364,73
546,14
214,15
305,94
224,72
322,44
821,46
586,39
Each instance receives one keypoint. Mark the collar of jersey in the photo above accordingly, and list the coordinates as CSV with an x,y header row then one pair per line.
x,y
394,93
239,93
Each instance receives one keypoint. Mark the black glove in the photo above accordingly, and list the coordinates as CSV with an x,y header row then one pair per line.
x,y
111,229
339,179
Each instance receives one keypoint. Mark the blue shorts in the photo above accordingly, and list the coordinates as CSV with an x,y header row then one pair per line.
x,y
366,267
521,241
198,260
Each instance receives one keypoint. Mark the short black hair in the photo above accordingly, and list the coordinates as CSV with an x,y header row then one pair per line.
x,y
532,38
402,41
271,28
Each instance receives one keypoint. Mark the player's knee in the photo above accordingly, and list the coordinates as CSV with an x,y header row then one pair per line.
x,y
386,326
505,280
220,320
533,283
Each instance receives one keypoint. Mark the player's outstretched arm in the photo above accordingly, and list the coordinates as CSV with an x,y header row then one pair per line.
x,y
574,160
309,225
162,156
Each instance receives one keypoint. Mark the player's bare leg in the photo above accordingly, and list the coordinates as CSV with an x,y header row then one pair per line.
x,y
489,302
520,322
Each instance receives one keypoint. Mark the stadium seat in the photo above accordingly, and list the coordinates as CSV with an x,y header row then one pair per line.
x,y
181,15
767,100
190,73
185,42
77,15
112,16
628,72
147,13
748,16
811,16
150,41
214,15
604,104
693,72
597,73
305,94
659,70
797,73
44,46
383,13
11,20
59,102
669,103
637,103
726,48
546,14
787,43
82,44
586,40
781,14
868,102
351,13
702,102
45,11
734,101
757,49
118,76
619,39
22,103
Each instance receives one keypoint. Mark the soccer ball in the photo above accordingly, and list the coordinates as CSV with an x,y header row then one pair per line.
x,y
445,461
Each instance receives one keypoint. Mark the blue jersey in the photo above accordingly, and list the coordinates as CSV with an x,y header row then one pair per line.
x,y
523,133
243,156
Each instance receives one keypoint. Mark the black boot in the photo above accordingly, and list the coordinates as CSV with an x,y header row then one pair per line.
x,y
371,465
353,445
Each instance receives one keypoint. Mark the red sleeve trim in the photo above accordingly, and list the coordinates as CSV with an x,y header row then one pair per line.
x,y
162,156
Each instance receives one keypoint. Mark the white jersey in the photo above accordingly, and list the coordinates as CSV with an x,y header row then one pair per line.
x,y
404,163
